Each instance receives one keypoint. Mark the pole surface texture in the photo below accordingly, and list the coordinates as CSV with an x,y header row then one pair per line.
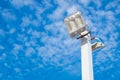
x,y
86,58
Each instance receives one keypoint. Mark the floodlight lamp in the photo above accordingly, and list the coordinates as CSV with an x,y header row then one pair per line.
x,y
97,45
75,24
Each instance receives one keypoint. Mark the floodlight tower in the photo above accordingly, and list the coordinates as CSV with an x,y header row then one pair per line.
x,y
77,29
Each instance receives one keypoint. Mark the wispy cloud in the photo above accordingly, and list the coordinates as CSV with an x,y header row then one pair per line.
x,y
20,3
7,14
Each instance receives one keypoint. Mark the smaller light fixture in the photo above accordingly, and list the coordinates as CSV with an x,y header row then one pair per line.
x,y
97,45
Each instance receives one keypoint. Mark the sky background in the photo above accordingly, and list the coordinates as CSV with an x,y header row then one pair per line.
x,y
35,43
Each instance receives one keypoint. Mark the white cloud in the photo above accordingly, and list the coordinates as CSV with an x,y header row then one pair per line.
x,y
7,14
108,14
12,30
40,66
63,6
74,69
36,34
17,70
112,4
17,48
62,3
25,21
57,14
72,9
85,2
30,51
21,3
29,20
98,3
117,11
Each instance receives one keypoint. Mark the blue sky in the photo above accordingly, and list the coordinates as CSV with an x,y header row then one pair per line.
x,y
35,43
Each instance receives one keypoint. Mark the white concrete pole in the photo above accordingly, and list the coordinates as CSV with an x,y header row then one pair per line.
x,y
86,58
